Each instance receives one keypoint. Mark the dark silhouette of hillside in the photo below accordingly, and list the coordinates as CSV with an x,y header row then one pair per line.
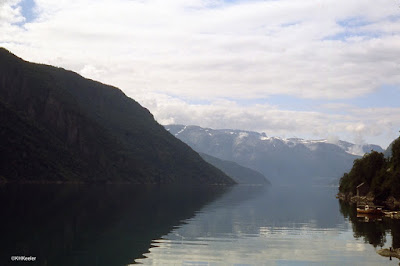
x,y
59,126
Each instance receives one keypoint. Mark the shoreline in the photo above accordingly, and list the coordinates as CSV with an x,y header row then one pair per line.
x,y
350,198
368,199
391,203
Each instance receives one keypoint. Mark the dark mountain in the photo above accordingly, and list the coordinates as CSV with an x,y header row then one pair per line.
x,y
241,174
59,126
283,161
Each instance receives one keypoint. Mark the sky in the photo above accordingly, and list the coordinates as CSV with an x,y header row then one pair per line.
x,y
327,69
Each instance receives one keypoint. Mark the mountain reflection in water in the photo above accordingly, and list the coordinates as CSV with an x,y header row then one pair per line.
x,y
159,225
91,225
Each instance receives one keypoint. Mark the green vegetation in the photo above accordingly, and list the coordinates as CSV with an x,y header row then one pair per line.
x,y
58,126
380,174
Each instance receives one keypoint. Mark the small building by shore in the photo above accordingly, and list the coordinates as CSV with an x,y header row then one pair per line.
x,y
362,189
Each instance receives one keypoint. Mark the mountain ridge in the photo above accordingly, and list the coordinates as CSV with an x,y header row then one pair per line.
x,y
345,145
283,161
108,135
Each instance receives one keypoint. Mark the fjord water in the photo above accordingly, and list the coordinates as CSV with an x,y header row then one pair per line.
x,y
164,225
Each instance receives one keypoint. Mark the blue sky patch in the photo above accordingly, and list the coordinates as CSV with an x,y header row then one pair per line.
x,y
386,96
353,22
345,35
351,28
27,8
284,25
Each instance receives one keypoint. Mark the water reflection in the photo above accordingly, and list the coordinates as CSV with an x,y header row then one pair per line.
x,y
374,230
121,225
267,226
91,225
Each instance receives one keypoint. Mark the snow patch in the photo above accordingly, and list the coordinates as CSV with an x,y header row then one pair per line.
x,y
311,146
181,131
240,137
243,135
356,150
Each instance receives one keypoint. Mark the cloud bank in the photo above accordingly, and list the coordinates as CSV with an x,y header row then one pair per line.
x,y
208,62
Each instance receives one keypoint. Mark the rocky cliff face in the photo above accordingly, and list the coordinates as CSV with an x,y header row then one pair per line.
x,y
108,136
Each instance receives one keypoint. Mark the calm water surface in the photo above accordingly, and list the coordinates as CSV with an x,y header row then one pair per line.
x,y
274,226
240,225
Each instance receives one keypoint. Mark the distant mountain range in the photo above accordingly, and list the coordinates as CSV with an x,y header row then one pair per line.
x,y
56,126
388,152
283,161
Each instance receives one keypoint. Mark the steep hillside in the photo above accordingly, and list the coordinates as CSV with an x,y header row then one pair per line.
x,y
30,152
283,161
101,134
241,174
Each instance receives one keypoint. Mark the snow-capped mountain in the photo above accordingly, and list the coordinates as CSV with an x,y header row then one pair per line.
x,y
283,161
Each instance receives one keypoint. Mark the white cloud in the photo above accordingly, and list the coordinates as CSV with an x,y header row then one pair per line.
x,y
223,114
208,50
92,71
10,12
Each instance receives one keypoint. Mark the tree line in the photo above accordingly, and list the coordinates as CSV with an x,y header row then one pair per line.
x,y
380,174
